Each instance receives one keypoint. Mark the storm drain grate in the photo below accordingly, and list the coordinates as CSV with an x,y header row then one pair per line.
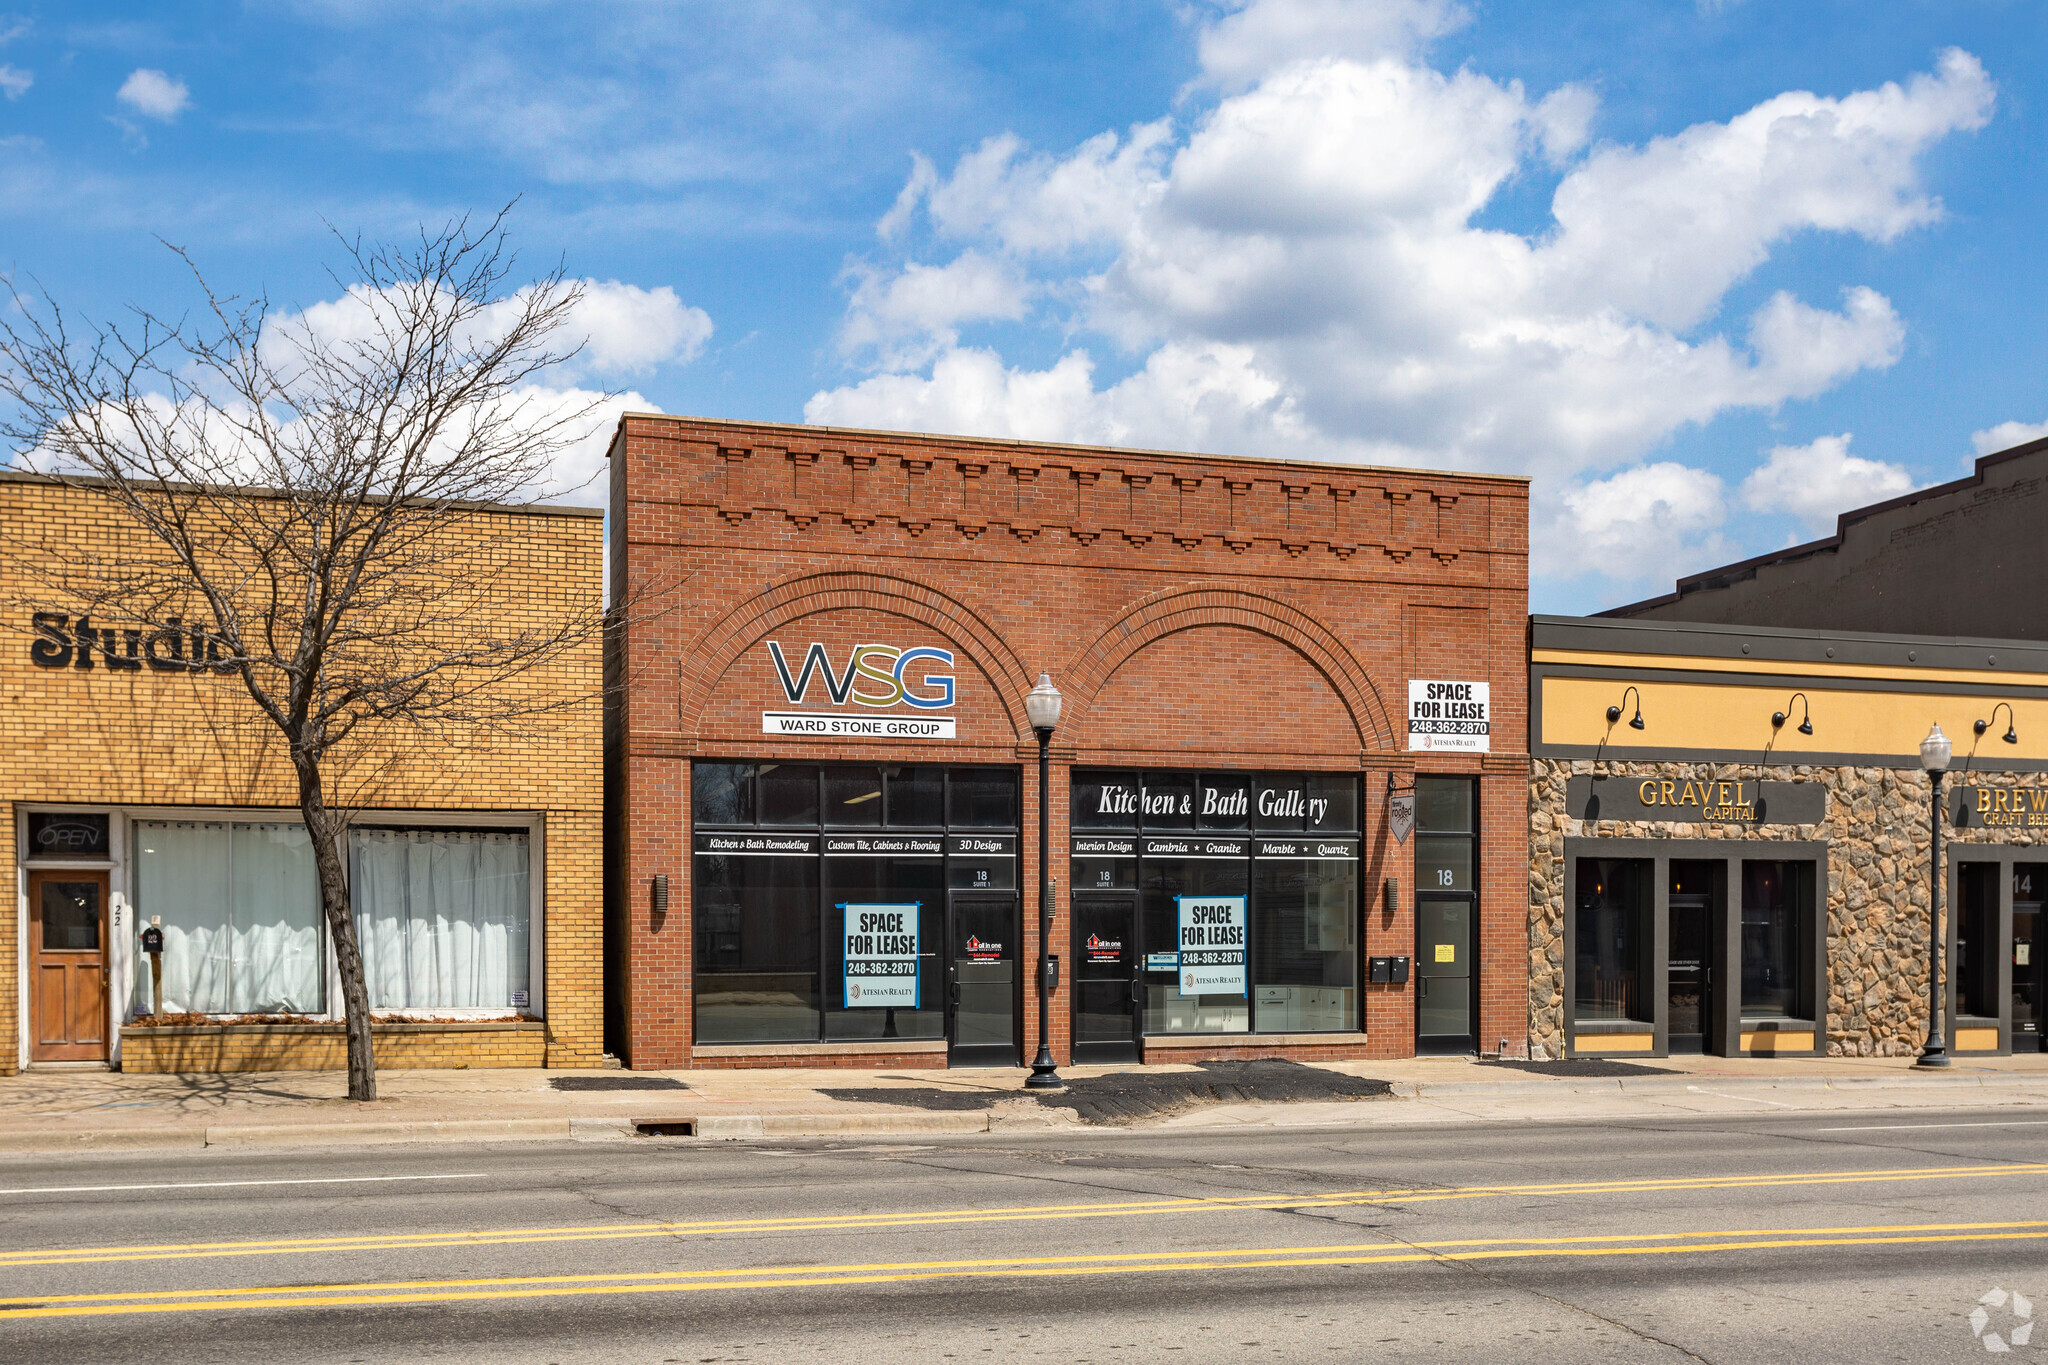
x,y
665,1127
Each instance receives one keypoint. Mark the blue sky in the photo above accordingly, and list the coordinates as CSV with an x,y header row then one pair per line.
x,y
1710,272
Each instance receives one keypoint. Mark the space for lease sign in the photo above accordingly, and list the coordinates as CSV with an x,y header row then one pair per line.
x,y
881,956
1449,717
1212,945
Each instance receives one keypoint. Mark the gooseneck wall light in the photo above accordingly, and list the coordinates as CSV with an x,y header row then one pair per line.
x,y
1934,755
1778,718
2011,735
1635,721
1042,709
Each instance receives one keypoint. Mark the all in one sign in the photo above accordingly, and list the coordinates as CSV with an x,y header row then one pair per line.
x,y
881,956
1449,717
1213,947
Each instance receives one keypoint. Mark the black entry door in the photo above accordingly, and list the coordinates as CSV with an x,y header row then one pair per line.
x,y
1106,981
1689,981
981,979
1446,1006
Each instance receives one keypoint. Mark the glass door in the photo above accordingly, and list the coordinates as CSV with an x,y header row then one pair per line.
x,y
1689,971
982,1000
68,966
1446,1007
2029,965
1107,985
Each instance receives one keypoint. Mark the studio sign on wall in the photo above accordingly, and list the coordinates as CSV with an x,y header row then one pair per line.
x,y
175,646
875,676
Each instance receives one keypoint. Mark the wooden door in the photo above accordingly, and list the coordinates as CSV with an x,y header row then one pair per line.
x,y
68,966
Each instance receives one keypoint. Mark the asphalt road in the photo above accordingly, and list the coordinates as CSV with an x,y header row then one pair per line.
x,y
1865,1237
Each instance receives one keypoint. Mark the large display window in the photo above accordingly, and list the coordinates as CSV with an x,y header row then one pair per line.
x,y
825,898
1214,902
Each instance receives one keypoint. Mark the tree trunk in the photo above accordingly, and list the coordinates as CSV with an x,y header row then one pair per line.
x,y
325,831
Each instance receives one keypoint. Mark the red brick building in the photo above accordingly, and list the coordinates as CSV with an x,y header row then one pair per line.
x,y
824,794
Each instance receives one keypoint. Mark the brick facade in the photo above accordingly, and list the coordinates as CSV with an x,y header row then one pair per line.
x,y
1197,612
152,743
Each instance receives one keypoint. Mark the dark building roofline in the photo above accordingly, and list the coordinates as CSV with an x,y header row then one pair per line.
x,y
1736,572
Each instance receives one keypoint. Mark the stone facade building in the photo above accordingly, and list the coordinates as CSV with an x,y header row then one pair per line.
x,y
142,793
1730,839
825,795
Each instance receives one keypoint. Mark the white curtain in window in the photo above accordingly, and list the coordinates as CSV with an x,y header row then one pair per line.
x,y
276,914
240,906
442,916
181,875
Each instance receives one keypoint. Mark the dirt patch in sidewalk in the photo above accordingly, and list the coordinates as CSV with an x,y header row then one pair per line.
x,y
1590,1068
1127,1097
616,1083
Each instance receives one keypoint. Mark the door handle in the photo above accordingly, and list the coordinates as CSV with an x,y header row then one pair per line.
x,y
953,991
1421,986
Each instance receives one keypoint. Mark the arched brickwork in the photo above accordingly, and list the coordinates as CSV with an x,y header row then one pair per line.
x,y
1177,609
707,661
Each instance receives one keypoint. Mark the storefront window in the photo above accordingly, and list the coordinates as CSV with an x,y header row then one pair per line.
x,y
785,882
1777,924
2029,962
1977,949
756,923
1166,1009
240,905
1305,964
443,917
1612,938
1281,949
900,882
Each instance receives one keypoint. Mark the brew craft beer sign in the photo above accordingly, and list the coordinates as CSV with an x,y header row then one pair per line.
x,y
881,956
1212,945
2000,807
1449,717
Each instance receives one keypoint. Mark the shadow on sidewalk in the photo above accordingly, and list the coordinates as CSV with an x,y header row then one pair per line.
x,y
1125,1097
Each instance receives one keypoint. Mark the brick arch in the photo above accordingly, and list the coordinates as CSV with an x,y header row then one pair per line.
x,y
719,648
1173,610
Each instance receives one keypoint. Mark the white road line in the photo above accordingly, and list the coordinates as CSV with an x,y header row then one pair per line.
x,y
1894,1127
1759,1099
242,1184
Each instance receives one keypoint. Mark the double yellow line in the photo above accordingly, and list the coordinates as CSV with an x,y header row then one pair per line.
x,y
870,1222
401,1292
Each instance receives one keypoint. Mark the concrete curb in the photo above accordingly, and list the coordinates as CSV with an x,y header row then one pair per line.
x,y
903,1123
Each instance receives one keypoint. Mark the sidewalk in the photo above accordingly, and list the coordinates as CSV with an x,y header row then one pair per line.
x,y
56,1111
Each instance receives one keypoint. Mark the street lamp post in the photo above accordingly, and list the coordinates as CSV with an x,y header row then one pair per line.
x,y
1042,709
1934,754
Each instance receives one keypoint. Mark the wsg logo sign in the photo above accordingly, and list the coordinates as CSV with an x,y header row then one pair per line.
x,y
874,676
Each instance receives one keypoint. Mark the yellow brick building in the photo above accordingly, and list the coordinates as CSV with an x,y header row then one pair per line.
x,y
143,794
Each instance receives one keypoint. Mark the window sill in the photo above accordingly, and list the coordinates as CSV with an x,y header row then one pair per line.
x,y
1160,1042
1587,1027
330,1026
873,1048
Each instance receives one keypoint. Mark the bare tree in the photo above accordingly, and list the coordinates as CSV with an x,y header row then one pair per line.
x,y
314,489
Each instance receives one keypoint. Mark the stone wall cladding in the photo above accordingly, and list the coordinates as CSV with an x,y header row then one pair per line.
x,y
1334,584
143,738
1877,887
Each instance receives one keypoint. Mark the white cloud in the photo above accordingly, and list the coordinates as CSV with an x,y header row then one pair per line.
x,y
1818,481
1644,523
1310,248
1254,39
2006,435
624,329
155,95
632,330
14,82
907,317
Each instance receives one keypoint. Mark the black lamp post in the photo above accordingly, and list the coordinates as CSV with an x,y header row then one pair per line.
x,y
1042,709
1934,754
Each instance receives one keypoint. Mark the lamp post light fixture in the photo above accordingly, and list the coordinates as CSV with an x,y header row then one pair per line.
x,y
1042,709
1934,755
